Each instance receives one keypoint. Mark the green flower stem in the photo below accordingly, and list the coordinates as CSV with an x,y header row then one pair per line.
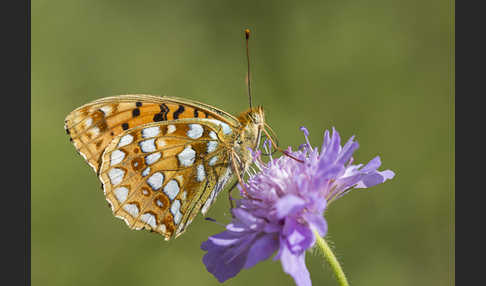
x,y
331,259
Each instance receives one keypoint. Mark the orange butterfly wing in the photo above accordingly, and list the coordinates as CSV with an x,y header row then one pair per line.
x,y
158,176
144,176
94,125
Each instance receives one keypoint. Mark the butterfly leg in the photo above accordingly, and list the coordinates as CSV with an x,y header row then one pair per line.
x,y
240,180
230,198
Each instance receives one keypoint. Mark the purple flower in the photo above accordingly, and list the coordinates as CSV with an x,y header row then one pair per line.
x,y
283,203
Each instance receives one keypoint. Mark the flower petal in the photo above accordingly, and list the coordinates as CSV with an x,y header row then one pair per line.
x,y
375,179
328,171
326,141
294,265
216,266
372,165
226,238
239,250
262,249
225,262
332,150
347,151
297,236
318,222
247,218
222,271
288,205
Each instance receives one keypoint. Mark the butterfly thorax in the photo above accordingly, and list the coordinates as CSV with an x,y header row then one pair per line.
x,y
252,122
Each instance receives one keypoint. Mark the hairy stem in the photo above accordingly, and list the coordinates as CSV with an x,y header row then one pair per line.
x,y
331,259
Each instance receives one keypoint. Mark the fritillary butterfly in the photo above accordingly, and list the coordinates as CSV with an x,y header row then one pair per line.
x,y
162,159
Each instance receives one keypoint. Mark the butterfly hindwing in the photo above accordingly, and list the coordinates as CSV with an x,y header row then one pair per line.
x,y
94,125
159,175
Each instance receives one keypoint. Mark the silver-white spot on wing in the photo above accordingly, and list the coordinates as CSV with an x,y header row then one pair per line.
x,y
171,189
150,131
211,146
95,131
225,127
156,181
116,176
152,158
121,194
149,219
116,157
195,131
87,123
201,173
132,209
125,140
171,129
148,145
146,172
213,161
187,156
213,135
106,110
175,210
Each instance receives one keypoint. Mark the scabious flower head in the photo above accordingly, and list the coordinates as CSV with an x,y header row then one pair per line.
x,y
283,202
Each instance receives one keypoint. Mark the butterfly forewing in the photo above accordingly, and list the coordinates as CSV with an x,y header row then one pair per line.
x,y
93,126
159,175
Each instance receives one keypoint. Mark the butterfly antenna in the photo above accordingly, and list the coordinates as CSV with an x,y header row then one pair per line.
x,y
247,36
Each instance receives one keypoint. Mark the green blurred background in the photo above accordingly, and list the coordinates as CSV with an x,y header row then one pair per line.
x,y
378,69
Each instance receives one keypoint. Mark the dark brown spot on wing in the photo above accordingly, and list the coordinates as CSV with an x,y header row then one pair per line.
x,y
99,119
163,199
169,223
137,164
158,117
146,192
162,115
178,112
102,126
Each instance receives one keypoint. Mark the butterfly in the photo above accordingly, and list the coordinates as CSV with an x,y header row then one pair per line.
x,y
163,159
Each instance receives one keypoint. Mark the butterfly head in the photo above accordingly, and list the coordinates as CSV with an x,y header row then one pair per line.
x,y
254,115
